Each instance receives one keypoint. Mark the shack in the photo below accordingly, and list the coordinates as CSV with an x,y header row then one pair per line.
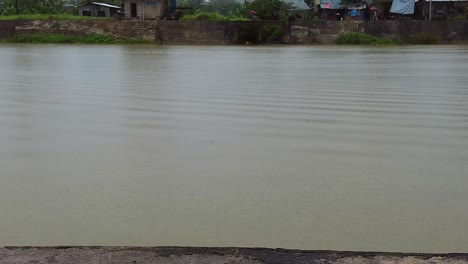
x,y
95,9
148,9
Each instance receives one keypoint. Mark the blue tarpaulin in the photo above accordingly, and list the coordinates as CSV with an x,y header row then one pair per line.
x,y
405,7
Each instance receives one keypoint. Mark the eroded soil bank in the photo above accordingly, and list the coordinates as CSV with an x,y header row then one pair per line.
x,y
179,255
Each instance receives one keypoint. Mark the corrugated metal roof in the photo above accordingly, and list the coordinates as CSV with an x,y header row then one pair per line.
x,y
104,4
101,4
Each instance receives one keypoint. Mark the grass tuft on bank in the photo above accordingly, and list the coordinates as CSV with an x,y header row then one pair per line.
x,y
364,39
50,17
212,16
85,39
421,39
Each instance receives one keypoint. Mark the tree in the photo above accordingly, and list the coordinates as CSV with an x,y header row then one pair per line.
x,y
224,7
310,3
195,4
8,7
270,9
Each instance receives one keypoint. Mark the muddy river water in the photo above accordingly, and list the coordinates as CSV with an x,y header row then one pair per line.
x,y
309,147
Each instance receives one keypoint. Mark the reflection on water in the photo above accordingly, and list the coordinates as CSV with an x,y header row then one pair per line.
x,y
297,147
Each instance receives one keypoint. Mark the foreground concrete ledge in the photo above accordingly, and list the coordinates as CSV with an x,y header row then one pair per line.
x,y
201,255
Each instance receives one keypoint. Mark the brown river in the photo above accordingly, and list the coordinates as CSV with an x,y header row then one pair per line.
x,y
308,147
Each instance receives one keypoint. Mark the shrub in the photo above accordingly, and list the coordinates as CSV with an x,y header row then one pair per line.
x,y
459,17
247,34
272,34
421,39
363,39
85,39
212,16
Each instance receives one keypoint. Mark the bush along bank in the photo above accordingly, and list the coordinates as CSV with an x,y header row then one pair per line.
x,y
84,39
364,39
213,16
421,39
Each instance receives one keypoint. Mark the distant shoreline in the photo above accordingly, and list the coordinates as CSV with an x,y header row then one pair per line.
x,y
173,255
206,32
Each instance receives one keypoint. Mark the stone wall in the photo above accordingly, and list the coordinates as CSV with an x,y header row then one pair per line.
x,y
447,31
116,28
302,32
322,32
193,32
7,28
224,32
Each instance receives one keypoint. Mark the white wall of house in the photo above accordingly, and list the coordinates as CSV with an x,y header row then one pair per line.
x,y
145,9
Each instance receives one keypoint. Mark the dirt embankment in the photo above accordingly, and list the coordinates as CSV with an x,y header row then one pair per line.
x,y
185,255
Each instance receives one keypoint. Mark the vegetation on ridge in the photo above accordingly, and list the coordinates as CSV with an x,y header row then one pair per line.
x,y
363,39
85,39
213,16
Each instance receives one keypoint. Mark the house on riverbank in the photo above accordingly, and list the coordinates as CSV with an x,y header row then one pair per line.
x,y
95,9
147,9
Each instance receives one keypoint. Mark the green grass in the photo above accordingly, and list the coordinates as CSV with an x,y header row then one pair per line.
x,y
421,39
459,17
50,16
212,16
85,39
363,39
272,34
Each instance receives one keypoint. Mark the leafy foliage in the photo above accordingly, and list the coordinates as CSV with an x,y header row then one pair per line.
x,y
272,34
270,9
8,7
224,7
212,16
421,39
310,3
363,39
195,4
232,10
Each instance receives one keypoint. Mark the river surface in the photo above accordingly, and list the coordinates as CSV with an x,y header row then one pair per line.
x,y
298,147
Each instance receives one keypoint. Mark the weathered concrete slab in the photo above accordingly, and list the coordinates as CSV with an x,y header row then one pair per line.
x,y
186,255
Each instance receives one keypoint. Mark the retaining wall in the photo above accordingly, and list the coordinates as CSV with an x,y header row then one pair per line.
x,y
224,32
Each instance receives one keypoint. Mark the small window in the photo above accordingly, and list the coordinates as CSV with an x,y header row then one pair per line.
x,y
101,13
86,13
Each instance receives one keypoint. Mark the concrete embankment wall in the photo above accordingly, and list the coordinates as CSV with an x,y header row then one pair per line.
x,y
7,28
119,29
222,32
302,32
179,255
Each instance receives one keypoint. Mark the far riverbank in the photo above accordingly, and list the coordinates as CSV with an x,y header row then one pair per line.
x,y
241,32
175,255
